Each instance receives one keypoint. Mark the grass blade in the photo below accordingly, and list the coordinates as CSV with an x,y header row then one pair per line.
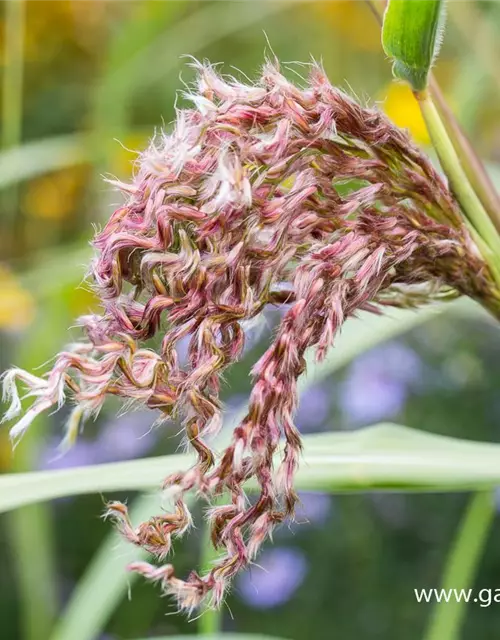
x,y
210,622
105,582
380,457
42,156
30,535
461,566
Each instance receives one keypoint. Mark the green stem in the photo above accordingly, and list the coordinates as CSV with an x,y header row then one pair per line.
x,y
466,172
210,622
30,537
461,187
461,566
12,101
12,93
470,161
33,569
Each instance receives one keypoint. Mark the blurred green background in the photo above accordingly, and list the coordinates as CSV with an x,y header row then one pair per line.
x,y
84,84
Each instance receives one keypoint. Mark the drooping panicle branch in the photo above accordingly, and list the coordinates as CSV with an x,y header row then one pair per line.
x,y
262,194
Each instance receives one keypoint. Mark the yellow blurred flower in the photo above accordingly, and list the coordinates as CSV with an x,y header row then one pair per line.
x,y
17,306
354,21
65,24
5,452
53,197
81,300
125,154
402,108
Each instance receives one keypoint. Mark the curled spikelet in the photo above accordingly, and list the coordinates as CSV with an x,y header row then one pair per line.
x,y
261,194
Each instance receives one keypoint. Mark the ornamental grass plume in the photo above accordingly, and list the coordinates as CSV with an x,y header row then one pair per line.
x,y
268,194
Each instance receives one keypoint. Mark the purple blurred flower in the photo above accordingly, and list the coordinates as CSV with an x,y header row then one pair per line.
x,y
392,508
366,398
395,360
182,348
275,579
313,409
378,383
82,454
235,403
313,506
129,436
255,329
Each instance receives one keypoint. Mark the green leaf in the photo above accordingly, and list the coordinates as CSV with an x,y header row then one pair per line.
x,y
42,156
380,457
411,36
56,269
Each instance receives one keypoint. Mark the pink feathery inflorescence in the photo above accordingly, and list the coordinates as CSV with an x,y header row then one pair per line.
x,y
263,194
